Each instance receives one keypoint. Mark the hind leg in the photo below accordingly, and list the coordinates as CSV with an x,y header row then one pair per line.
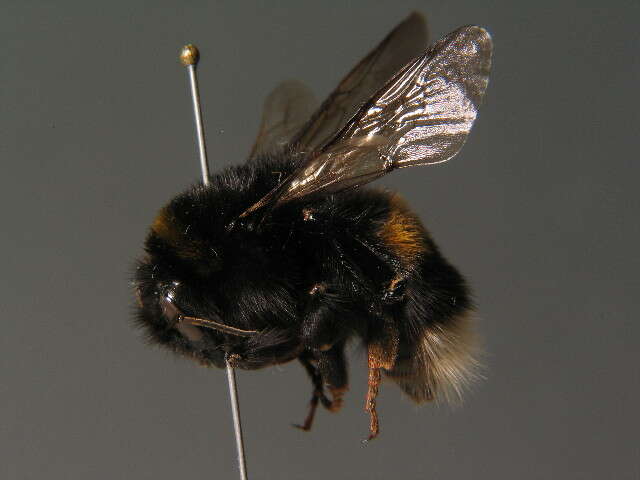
x,y
382,351
372,393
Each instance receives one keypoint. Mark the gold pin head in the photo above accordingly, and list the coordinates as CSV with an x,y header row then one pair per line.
x,y
189,55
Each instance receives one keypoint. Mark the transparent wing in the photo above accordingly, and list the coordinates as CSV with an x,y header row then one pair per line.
x,y
426,112
421,116
286,109
408,40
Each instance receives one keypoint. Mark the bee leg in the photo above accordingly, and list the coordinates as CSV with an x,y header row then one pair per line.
x,y
372,392
395,290
325,369
381,353
323,326
318,391
333,370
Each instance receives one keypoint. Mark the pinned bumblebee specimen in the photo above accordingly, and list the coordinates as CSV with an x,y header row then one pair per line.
x,y
288,256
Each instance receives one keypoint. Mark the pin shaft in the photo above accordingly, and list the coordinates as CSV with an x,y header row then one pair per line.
x,y
189,58
233,395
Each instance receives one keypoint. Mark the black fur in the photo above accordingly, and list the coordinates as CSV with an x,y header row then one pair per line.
x,y
308,276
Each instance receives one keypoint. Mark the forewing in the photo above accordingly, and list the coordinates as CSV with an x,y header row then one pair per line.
x,y
422,116
286,109
405,42
426,112
346,164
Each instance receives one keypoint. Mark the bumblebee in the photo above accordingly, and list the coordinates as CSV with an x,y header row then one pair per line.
x,y
288,256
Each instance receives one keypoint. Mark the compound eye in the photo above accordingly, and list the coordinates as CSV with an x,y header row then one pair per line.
x,y
172,314
169,310
167,303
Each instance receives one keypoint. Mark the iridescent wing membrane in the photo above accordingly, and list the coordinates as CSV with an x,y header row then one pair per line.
x,y
421,116
288,116
403,44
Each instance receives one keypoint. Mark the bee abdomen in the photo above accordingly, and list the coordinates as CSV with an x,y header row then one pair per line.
x,y
438,347
402,232
439,363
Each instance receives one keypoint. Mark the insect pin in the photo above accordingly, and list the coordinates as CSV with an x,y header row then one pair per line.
x,y
189,56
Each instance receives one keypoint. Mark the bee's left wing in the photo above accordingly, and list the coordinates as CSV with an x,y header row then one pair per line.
x,y
286,109
405,42
421,116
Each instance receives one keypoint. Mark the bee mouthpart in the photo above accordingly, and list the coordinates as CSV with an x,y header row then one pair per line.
x,y
202,322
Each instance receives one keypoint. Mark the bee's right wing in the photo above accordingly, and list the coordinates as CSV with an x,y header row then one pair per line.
x,y
408,40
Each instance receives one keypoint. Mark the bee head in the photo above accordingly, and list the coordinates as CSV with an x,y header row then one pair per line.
x,y
204,281
180,278
164,300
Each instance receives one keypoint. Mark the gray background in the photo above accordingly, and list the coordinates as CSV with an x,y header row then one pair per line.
x,y
539,211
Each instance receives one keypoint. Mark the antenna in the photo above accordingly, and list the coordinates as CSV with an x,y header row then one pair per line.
x,y
189,57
